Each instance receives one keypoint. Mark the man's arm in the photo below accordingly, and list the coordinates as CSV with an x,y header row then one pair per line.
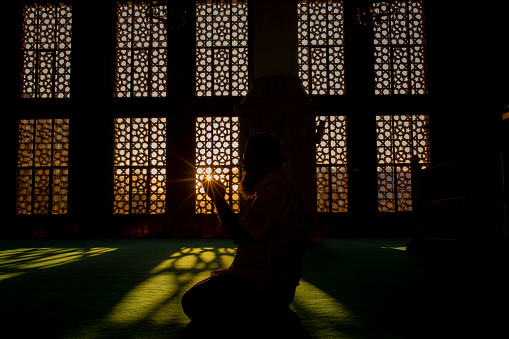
x,y
228,218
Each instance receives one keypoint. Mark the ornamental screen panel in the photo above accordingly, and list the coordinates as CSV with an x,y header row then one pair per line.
x,y
400,138
321,46
42,171
221,48
139,166
400,48
46,50
141,50
217,156
331,165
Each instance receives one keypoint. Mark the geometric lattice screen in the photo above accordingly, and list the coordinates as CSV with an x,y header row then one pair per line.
x,y
399,139
217,156
221,48
400,48
321,46
141,50
139,166
42,170
46,50
331,165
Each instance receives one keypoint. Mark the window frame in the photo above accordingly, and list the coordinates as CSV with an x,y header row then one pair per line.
x,y
208,89
335,78
388,43
52,48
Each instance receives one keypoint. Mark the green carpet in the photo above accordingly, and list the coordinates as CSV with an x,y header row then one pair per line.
x,y
351,288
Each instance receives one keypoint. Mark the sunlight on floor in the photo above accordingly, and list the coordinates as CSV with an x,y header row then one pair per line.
x,y
312,303
197,259
156,301
402,248
19,261
4,276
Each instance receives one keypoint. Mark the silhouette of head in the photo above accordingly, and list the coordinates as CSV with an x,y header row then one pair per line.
x,y
263,155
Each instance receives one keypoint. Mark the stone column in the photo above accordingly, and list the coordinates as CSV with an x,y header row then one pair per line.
x,y
277,102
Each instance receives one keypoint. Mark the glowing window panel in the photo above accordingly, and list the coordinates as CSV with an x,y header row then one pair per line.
x,y
321,46
141,50
221,48
217,156
46,50
400,48
139,160
43,160
399,139
331,165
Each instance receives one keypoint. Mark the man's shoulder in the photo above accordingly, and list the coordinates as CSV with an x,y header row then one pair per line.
x,y
277,179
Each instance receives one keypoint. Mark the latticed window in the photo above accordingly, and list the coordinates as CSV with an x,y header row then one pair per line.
x,y
321,46
217,156
43,160
331,165
400,48
141,50
221,48
139,160
400,138
46,50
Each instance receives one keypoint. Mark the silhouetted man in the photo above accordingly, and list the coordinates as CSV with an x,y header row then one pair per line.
x,y
260,284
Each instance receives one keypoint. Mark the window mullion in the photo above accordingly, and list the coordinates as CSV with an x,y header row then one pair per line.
x,y
54,58
32,194
130,167
409,51
394,164
51,167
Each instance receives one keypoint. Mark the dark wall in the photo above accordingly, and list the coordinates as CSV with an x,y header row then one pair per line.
x,y
468,67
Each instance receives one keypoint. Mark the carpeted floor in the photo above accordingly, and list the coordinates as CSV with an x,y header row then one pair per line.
x,y
351,288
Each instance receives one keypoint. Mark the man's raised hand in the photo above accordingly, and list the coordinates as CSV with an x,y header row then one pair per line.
x,y
214,189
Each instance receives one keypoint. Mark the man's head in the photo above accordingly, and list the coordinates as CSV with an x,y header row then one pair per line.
x,y
262,155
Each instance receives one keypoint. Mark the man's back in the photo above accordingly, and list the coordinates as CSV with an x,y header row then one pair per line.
x,y
277,221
